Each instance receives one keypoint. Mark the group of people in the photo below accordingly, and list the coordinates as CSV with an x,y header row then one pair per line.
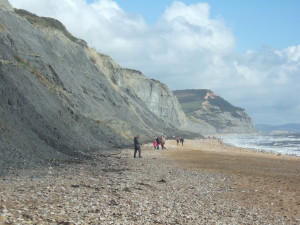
x,y
180,139
220,140
158,141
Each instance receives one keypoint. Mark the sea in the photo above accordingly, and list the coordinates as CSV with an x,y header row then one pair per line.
x,y
277,143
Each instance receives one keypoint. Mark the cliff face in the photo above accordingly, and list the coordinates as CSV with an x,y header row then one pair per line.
x,y
204,105
61,99
147,94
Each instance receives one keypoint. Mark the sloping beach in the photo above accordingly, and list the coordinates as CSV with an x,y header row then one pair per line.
x,y
202,182
254,179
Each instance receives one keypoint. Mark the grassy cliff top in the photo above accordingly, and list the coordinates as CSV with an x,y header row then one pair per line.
x,y
192,100
46,22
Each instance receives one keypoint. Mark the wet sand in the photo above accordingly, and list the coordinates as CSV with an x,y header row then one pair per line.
x,y
257,179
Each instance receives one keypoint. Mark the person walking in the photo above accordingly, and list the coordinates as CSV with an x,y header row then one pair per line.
x,y
181,140
137,146
163,142
155,143
177,140
158,142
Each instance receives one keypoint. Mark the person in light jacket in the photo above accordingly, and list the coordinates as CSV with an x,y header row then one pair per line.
x,y
162,142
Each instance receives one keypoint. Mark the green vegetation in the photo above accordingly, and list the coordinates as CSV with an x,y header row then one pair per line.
x,y
222,104
184,96
46,22
190,107
225,106
191,101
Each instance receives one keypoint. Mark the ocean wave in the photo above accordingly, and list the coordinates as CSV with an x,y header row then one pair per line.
x,y
276,143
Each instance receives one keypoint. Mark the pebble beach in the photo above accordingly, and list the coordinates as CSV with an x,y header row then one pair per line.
x,y
202,182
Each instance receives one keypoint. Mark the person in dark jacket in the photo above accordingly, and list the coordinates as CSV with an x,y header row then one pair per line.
x,y
177,140
137,146
158,142
181,140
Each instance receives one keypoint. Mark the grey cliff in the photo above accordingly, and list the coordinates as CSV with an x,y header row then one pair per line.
x,y
60,100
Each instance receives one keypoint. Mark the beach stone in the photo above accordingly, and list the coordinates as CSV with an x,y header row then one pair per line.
x,y
189,195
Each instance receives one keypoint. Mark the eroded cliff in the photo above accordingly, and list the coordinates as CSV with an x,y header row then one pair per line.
x,y
205,106
61,99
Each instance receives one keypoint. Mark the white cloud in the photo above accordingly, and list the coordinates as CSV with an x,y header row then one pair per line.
x,y
270,82
186,48
191,28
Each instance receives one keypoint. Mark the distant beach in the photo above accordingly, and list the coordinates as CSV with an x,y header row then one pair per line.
x,y
201,182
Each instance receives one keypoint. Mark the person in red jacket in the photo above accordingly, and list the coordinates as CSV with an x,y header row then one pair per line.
x,y
155,143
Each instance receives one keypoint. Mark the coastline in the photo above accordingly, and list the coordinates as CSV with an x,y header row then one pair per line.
x,y
199,183
279,150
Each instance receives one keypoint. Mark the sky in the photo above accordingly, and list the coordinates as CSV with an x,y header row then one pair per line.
x,y
248,52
